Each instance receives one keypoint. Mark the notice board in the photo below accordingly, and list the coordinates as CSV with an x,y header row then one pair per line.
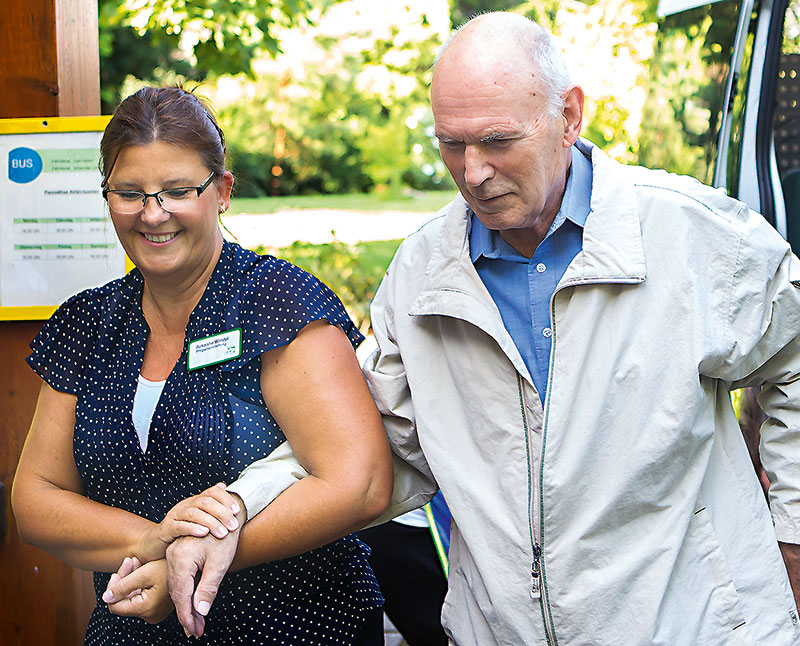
x,y
55,234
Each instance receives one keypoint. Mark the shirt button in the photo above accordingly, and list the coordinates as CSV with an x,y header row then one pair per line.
x,y
541,267
547,333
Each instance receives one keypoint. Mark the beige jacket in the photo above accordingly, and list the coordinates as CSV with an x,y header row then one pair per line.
x,y
633,479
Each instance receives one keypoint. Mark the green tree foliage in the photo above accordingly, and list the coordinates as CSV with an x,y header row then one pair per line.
x,y
689,70
544,12
463,10
332,132
195,38
606,127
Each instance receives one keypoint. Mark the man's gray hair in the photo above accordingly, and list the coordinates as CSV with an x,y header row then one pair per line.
x,y
541,49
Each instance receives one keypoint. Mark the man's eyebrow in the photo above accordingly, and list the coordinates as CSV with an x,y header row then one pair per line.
x,y
494,136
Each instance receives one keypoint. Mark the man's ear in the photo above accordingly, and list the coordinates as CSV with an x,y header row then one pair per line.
x,y
573,114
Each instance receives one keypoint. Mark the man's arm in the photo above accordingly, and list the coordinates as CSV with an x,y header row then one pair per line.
x,y
263,481
791,557
762,319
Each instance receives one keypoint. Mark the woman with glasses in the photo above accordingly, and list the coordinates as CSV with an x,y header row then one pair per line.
x,y
169,380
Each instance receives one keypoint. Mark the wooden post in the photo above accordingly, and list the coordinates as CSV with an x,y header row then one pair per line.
x,y
49,66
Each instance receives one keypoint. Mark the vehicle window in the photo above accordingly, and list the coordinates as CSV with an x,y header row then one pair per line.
x,y
733,170
686,90
786,126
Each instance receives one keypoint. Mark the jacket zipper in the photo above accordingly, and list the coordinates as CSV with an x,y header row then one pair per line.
x,y
538,569
537,588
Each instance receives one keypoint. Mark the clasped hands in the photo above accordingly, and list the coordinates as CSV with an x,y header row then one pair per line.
x,y
197,532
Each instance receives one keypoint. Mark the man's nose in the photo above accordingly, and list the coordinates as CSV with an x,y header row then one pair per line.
x,y
153,214
477,168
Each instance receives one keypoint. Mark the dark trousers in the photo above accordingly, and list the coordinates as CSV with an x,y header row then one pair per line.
x,y
371,633
408,570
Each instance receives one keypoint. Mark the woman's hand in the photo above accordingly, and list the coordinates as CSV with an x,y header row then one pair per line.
x,y
212,511
137,590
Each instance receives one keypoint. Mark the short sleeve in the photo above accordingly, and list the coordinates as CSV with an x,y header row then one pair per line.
x,y
61,348
278,300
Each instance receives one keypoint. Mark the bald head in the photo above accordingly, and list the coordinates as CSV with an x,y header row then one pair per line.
x,y
500,43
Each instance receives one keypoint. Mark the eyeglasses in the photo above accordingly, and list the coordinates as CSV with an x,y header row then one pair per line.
x,y
172,200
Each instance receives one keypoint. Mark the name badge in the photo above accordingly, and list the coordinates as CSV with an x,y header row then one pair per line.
x,y
214,349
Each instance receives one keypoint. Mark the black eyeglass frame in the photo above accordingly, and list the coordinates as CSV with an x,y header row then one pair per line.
x,y
157,194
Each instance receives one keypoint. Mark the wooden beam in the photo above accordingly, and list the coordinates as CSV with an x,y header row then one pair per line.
x,y
49,58
49,66
78,53
28,64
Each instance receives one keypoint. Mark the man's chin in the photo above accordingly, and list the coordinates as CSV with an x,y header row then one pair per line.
x,y
490,206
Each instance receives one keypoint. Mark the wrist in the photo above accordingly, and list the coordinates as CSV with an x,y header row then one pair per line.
x,y
150,547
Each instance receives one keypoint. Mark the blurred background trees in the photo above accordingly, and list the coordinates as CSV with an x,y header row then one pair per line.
x,y
331,96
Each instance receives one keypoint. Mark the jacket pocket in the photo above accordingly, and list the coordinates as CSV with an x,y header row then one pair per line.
x,y
702,604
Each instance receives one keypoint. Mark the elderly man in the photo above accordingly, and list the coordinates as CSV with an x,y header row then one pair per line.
x,y
556,351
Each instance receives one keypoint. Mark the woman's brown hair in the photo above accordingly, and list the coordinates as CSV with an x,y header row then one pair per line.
x,y
169,114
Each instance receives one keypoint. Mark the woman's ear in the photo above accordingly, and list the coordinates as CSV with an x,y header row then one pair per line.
x,y
224,188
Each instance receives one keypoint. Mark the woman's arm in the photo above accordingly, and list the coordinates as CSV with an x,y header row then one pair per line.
x,y
315,390
53,513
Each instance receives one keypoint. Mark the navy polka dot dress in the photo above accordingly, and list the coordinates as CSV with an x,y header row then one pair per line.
x,y
208,425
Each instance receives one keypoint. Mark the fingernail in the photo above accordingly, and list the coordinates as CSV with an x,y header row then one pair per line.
x,y
203,607
221,485
233,524
221,532
108,596
235,508
187,632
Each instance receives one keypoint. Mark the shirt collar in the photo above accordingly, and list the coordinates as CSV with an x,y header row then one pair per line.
x,y
575,206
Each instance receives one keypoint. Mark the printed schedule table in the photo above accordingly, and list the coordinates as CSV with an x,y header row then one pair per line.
x,y
55,234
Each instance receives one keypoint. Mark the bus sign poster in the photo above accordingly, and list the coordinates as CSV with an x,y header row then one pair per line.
x,y
56,238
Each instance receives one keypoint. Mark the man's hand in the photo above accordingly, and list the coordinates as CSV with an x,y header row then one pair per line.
x,y
791,557
137,590
188,556
213,510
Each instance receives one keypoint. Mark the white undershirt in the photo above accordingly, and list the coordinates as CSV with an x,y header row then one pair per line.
x,y
144,405
414,518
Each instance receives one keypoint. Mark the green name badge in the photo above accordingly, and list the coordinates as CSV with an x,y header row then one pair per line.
x,y
214,349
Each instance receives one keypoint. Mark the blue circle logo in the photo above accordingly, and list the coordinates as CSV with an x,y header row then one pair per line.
x,y
24,165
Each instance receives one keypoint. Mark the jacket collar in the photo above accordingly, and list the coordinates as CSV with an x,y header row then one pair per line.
x,y
612,238
452,286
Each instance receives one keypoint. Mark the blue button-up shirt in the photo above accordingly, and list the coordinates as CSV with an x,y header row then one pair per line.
x,y
522,287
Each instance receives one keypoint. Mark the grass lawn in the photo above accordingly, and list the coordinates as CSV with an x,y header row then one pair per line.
x,y
420,201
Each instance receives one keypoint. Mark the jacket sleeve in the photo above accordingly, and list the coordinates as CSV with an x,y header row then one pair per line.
x,y
414,484
264,480
763,322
